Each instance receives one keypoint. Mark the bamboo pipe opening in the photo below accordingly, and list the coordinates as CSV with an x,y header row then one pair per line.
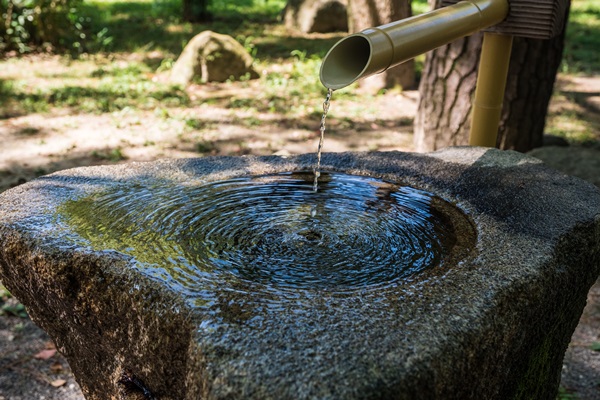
x,y
349,60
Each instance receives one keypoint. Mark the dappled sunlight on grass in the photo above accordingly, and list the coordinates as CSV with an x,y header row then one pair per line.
x,y
570,126
106,87
583,38
135,25
573,113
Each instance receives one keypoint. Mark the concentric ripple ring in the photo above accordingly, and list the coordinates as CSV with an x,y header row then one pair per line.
x,y
272,230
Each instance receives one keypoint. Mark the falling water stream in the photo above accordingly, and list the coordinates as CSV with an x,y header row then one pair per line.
x,y
317,171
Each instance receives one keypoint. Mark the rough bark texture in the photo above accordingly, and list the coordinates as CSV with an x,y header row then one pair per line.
x,y
531,76
363,14
316,15
448,84
196,11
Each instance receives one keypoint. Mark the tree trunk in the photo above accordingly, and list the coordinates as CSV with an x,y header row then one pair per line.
x,y
532,73
364,14
446,88
322,16
448,84
196,11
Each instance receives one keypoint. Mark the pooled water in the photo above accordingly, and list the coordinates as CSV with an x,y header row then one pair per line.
x,y
273,231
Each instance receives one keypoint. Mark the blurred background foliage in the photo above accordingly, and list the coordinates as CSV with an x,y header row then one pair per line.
x,y
89,26
41,25
113,50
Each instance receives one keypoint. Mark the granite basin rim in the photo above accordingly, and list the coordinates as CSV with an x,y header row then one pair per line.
x,y
518,242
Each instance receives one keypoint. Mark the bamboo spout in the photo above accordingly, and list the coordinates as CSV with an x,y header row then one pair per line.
x,y
376,49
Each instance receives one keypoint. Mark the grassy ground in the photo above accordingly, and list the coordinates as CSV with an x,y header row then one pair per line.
x,y
570,116
52,108
131,43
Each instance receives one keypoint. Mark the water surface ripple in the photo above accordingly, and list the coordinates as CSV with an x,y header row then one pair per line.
x,y
272,232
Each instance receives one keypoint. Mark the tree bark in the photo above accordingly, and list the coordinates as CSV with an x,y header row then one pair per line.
x,y
196,11
448,84
532,73
446,88
364,14
323,16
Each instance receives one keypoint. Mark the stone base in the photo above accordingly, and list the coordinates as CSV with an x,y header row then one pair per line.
x,y
493,325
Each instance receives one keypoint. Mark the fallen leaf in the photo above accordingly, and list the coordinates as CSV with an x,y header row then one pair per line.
x,y
595,346
56,367
58,382
45,354
49,345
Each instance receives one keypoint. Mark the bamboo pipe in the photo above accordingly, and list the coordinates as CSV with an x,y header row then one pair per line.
x,y
489,92
374,50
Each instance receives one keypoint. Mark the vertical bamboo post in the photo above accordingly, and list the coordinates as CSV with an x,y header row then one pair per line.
x,y
489,92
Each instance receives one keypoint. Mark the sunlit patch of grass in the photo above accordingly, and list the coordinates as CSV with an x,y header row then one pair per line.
x,y
9,306
248,122
290,88
108,88
582,39
568,120
267,9
113,155
420,6
570,127
131,70
570,116
564,394
199,124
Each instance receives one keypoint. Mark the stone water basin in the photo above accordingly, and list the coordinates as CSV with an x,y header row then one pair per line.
x,y
456,274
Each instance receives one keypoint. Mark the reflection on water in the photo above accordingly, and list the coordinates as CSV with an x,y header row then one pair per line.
x,y
271,234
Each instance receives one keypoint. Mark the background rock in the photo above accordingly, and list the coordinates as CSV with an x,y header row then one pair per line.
x,y
212,57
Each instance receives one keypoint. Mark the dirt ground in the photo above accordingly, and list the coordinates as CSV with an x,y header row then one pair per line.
x,y
33,145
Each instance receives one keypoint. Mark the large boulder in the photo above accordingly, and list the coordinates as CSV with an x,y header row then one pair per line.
x,y
322,16
493,321
212,57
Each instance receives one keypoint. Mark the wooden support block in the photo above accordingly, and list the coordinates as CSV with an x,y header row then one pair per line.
x,y
536,19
